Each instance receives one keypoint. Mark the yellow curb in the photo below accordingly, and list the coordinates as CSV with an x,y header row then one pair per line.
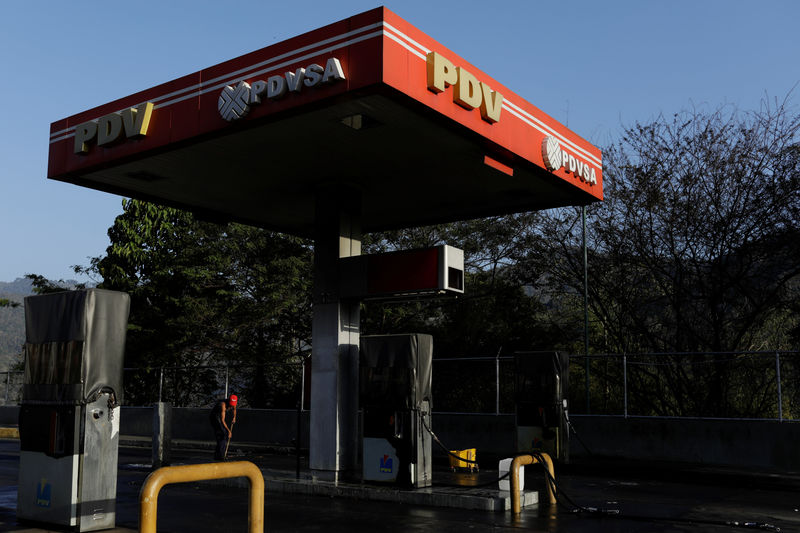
x,y
9,433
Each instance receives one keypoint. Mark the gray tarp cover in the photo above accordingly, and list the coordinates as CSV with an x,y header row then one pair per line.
x,y
75,345
396,369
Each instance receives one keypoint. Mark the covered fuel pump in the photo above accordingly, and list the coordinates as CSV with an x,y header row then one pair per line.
x,y
542,385
395,396
69,417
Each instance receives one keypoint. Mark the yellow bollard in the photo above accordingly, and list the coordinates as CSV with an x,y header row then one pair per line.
x,y
523,460
148,497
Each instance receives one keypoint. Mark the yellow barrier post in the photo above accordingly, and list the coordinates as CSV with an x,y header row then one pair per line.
x,y
9,433
523,460
148,497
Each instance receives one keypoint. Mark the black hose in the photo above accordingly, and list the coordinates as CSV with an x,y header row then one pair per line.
x,y
577,508
447,451
574,431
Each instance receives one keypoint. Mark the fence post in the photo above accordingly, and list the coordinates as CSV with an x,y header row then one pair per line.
x,y
226,380
586,307
160,382
303,383
625,383
299,431
778,377
497,383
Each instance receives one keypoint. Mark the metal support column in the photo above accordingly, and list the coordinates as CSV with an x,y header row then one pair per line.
x,y
335,338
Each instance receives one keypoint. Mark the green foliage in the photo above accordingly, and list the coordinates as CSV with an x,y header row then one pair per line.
x,y
42,285
695,247
204,294
496,313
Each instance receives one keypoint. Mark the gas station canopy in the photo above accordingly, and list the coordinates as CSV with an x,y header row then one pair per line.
x,y
363,125
369,103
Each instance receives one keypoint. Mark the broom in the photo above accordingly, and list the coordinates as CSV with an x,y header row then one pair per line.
x,y
227,444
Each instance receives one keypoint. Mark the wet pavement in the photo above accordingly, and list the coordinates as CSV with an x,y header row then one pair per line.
x,y
614,497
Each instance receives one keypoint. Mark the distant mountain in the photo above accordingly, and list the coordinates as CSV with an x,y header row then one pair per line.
x,y
12,322
19,287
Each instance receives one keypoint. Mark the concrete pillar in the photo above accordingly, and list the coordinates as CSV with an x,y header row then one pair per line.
x,y
333,438
162,433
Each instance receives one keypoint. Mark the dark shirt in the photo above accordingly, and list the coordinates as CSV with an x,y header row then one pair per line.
x,y
216,412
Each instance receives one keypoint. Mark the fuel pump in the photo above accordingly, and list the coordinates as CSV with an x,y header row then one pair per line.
x,y
542,385
395,396
70,411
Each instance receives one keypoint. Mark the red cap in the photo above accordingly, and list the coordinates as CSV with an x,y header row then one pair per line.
x,y
233,399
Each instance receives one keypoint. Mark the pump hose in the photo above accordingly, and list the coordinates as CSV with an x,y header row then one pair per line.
x,y
575,432
561,496
448,452
577,508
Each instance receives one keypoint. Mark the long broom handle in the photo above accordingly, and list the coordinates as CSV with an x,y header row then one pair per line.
x,y
228,442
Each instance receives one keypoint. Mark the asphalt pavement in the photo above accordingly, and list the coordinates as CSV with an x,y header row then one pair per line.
x,y
596,495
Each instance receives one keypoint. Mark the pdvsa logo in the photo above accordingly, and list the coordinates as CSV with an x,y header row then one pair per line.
x,y
235,102
555,158
386,465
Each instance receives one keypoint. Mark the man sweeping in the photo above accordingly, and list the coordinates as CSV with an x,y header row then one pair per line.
x,y
222,411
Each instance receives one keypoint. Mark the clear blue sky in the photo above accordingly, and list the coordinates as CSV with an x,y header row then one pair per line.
x,y
594,65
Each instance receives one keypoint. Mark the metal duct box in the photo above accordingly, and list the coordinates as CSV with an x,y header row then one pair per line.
x,y
436,271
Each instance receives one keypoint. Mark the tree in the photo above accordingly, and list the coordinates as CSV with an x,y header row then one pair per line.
x,y
695,248
204,294
495,316
495,313
270,316
42,285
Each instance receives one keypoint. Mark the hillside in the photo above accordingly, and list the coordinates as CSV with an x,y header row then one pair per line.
x,y
19,287
12,322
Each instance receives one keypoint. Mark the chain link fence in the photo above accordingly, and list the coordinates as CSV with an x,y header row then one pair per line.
x,y
748,385
267,386
751,385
